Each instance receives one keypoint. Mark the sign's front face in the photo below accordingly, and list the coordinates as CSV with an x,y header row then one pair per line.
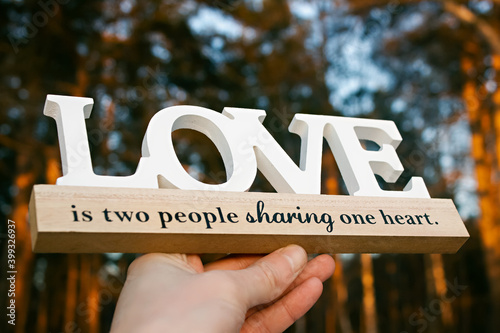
x,y
102,218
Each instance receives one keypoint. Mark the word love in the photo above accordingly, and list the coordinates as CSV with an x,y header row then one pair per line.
x,y
245,146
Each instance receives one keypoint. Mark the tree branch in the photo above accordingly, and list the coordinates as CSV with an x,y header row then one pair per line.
x,y
484,28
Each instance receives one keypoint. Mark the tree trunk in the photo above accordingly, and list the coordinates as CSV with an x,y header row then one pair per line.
x,y
341,299
484,154
24,256
369,306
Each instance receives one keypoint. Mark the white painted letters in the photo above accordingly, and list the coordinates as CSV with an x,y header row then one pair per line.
x,y
245,145
359,166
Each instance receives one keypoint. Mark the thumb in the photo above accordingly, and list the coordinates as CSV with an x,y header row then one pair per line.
x,y
268,278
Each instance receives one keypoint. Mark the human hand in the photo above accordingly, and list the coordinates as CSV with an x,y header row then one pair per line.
x,y
247,293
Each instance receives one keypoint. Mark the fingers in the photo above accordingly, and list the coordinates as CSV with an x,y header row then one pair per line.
x,y
159,262
233,262
194,261
320,267
287,310
269,277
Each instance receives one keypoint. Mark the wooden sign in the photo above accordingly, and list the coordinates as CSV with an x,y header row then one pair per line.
x,y
99,219
161,208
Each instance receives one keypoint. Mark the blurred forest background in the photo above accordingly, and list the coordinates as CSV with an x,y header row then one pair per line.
x,y
432,67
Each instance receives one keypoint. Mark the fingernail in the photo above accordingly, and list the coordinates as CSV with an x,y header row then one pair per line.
x,y
296,255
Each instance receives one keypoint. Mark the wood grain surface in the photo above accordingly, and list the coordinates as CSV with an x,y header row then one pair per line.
x,y
70,219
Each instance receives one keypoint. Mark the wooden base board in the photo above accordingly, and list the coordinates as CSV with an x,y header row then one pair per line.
x,y
70,219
